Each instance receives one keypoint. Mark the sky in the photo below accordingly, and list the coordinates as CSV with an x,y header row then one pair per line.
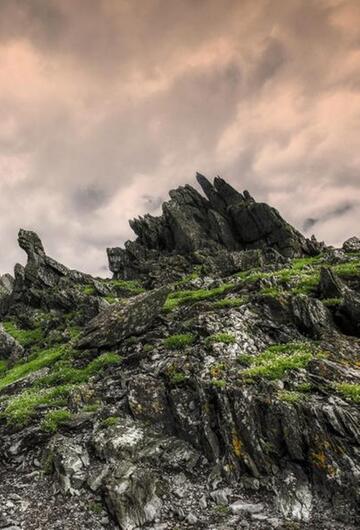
x,y
105,105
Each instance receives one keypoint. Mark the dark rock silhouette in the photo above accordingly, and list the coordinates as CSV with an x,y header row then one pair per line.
x,y
191,224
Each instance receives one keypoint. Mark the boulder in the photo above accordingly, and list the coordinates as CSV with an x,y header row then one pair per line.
x,y
311,316
352,244
124,319
9,348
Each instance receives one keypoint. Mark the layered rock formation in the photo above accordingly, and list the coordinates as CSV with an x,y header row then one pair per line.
x,y
207,230
226,399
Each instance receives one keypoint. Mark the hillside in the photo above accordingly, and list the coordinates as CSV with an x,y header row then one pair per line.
x,y
213,383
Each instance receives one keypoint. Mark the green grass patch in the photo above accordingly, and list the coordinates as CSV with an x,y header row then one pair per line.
x,y
40,360
349,391
290,396
67,374
274,362
330,302
224,338
218,383
179,298
3,366
179,342
128,285
25,337
22,407
88,290
229,302
54,418
175,376
347,269
111,421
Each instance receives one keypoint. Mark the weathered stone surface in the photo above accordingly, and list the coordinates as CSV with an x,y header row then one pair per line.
x,y
9,348
352,244
131,495
226,221
70,461
119,321
311,316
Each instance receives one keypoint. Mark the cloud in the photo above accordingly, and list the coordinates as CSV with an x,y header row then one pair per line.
x,y
107,104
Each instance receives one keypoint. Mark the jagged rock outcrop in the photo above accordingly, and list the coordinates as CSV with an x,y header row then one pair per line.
x,y
120,321
225,221
228,399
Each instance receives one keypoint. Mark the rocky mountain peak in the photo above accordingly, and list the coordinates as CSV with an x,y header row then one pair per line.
x,y
224,221
213,383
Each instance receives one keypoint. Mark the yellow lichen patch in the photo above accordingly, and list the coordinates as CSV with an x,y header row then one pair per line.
x,y
237,446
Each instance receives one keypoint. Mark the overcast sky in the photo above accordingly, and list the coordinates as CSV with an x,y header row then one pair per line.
x,y
107,104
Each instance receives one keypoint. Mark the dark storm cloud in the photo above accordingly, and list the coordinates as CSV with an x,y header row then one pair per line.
x,y
107,104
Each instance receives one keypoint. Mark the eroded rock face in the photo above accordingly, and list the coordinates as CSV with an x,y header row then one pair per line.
x,y
226,221
121,320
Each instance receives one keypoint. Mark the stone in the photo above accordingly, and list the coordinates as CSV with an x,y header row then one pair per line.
x,y
330,285
9,348
352,244
132,497
122,320
239,507
311,316
70,461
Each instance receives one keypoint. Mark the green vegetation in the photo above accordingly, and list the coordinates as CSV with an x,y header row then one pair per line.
x,y
303,387
274,362
175,376
111,421
3,366
329,302
188,278
41,359
128,285
290,396
275,292
179,342
54,418
224,338
179,298
26,337
91,407
96,507
218,383
348,269
349,391
89,290
228,302
302,275
65,373
20,408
